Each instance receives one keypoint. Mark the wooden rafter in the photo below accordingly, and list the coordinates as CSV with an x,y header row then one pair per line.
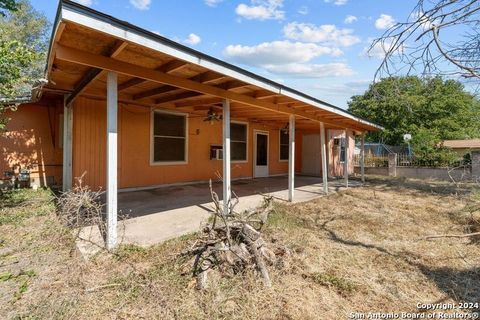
x,y
93,73
86,58
203,77
166,68
198,102
229,85
177,97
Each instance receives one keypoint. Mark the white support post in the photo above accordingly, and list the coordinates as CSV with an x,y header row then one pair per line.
x,y
112,111
291,157
345,163
362,158
323,152
67,146
227,191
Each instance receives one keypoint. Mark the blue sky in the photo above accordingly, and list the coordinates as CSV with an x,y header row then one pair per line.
x,y
315,46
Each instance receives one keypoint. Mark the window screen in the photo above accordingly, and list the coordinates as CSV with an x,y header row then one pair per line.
x,y
238,142
169,137
284,145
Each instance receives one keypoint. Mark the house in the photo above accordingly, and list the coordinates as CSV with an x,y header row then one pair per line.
x,y
129,109
462,147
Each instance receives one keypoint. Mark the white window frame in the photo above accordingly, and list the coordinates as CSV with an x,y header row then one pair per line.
x,y
152,139
280,146
247,143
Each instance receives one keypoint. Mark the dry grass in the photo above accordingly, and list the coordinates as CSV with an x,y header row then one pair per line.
x,y
359,250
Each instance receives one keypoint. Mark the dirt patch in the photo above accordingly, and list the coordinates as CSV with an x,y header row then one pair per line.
x,y
360,250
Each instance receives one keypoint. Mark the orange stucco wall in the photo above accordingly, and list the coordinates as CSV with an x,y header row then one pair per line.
x,y
135,170
31,142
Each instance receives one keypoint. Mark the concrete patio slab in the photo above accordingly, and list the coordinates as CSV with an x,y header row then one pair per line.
x,y
164,213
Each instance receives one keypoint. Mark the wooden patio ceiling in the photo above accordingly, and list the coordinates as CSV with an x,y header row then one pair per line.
x,y
150,78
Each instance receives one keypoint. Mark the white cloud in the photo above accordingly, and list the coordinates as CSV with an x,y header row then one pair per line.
x,y
303,10
340,89
380,49
278,52
385,21
192,39
141,4
85,2
212,3
290,59
327,34
350,19
261,10
337,2
304,70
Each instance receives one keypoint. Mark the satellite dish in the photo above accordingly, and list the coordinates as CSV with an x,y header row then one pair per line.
x,y
407,137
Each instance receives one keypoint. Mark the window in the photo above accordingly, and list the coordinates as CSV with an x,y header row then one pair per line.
x,y
284,149
238,142
169,137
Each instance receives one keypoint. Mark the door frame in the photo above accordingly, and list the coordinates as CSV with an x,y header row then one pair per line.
x,y
255,132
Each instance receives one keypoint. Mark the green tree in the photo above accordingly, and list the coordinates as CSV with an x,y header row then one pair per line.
x,y
7,5
23,49
413,105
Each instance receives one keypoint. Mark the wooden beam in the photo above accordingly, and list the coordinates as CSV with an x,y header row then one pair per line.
x,y
229,85
199,102
94,73
233,84
178,97
101,62
166,68
203,77
262,94
153,92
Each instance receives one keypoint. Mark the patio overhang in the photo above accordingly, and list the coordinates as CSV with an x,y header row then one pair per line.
x,y
154,71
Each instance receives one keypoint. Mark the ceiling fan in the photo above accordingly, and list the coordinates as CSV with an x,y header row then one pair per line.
x,y
213,116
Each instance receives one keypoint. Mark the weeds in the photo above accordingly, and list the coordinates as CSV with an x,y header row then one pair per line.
x,y
342,285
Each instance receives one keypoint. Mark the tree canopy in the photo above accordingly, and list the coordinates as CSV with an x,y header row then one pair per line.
x,y
7,5
441,108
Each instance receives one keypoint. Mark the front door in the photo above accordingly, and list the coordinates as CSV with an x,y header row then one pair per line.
x,y
261,155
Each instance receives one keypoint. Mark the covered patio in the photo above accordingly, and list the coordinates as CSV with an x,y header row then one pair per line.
x,y
133,84
156,215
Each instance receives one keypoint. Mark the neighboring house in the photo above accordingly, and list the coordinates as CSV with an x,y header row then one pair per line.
x,y
129,109
462,147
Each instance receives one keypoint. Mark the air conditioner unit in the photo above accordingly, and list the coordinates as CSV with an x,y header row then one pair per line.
x,y
216,152
219,154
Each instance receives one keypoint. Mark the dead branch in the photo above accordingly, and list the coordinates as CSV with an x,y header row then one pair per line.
x,y
420,43
467,235
233,243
